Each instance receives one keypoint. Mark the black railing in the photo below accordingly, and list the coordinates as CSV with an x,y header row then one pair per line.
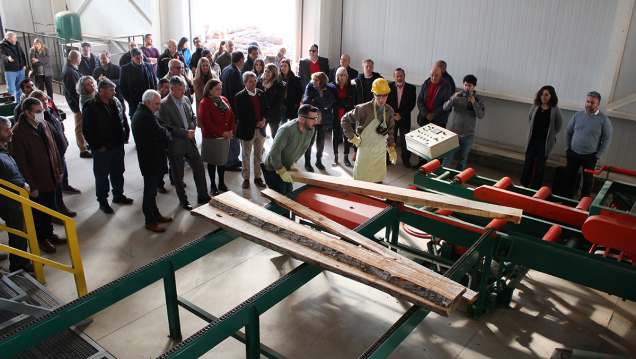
x,y
59,49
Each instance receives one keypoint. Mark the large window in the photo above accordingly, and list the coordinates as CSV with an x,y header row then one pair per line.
x,y
270,25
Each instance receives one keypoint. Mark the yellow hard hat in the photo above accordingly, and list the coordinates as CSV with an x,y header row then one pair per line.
x,y
380,87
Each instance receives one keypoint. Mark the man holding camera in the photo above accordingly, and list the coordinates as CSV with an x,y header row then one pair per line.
x,y
467,107
374,122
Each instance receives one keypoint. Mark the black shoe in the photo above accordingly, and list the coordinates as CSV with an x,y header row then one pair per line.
x,y
86,155
214,192
204,200
122,199
223,188
421,163
161,189
308,167
334,163
105,208
346,161
88,147
186,205
319,164
234,168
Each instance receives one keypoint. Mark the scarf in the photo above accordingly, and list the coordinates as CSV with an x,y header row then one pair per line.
x,y
220,104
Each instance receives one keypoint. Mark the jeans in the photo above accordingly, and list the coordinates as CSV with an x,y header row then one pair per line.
x,y
13,78
13,218
535,153
273,181
41,220
576,161
42,81
464,147
319,138
109,163
235,151
149,205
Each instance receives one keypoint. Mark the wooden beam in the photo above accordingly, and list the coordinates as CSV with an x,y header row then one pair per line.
x,y
271,230
344,232
408,196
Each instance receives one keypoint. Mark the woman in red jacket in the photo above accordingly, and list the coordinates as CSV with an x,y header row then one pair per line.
x,y
217,121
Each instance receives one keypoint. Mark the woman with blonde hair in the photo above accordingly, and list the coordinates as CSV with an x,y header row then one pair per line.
x,y
345,101
86,87
274,90
40,57
321,94
204,74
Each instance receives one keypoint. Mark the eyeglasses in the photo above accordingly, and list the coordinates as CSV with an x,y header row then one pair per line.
x,y
313,50
311,118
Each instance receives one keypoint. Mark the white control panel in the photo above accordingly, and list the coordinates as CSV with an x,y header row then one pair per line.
x,y
431,141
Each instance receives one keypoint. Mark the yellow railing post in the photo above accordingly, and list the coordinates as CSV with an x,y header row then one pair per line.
x,y
76,267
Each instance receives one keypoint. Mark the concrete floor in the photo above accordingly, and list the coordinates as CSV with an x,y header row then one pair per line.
x,y
329,317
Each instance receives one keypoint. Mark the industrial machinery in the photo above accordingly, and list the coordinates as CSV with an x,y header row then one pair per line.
x,y
557,236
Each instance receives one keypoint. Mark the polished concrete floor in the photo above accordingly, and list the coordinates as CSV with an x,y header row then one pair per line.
x,y
329,317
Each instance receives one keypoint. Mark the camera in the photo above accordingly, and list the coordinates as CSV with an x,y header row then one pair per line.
x,y
466,94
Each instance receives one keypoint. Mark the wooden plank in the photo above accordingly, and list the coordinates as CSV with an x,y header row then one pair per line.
x,y
442,292
282,245
344,232
408,196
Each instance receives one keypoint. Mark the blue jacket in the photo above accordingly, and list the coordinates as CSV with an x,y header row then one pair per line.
x,y
9,172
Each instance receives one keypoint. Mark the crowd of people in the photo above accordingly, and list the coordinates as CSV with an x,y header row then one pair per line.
x,y
236,98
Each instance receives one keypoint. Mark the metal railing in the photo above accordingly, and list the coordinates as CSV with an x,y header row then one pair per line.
x,y
76,267
59,49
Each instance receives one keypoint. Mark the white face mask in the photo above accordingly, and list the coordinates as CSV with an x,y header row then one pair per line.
x,y
39,117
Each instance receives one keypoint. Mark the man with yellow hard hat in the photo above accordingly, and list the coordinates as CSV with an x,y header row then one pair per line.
x,y
370,127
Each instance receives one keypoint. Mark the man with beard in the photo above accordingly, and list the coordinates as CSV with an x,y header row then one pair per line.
x,y
291,142
135,78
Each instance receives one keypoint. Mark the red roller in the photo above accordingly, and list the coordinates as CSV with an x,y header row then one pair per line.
x,y
497,224
585,204
465,175
503,183
543,193
553,234
412,187
431,166
444,212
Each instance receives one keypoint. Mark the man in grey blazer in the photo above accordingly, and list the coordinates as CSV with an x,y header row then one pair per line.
x,y
176,112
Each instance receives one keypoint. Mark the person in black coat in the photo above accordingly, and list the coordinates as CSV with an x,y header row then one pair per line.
x,y
403,110
163,60
232,85
305,65
70,75
196,55
110,71
135,79
251,115
152,148
104,131
344,101
365,80
320,94
14,63
274,90
294,93
88,62
345,61
435,113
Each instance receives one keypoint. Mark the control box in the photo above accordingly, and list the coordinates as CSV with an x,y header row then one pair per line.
x,y
432,142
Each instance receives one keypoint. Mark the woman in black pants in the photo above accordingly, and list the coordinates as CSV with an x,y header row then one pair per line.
x,y
345,101
41,62
545,121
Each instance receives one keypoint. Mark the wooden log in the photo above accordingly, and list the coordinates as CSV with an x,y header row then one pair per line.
x,y
430,292
336,228
407,196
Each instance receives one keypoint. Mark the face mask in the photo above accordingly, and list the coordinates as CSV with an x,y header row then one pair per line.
x,y
39,117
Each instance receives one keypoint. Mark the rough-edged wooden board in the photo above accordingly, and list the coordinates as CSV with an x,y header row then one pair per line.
x,y
442,292
407,196
285,246
344,232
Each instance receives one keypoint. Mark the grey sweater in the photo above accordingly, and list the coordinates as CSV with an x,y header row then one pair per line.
x,y
588,134
464,120
290,143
